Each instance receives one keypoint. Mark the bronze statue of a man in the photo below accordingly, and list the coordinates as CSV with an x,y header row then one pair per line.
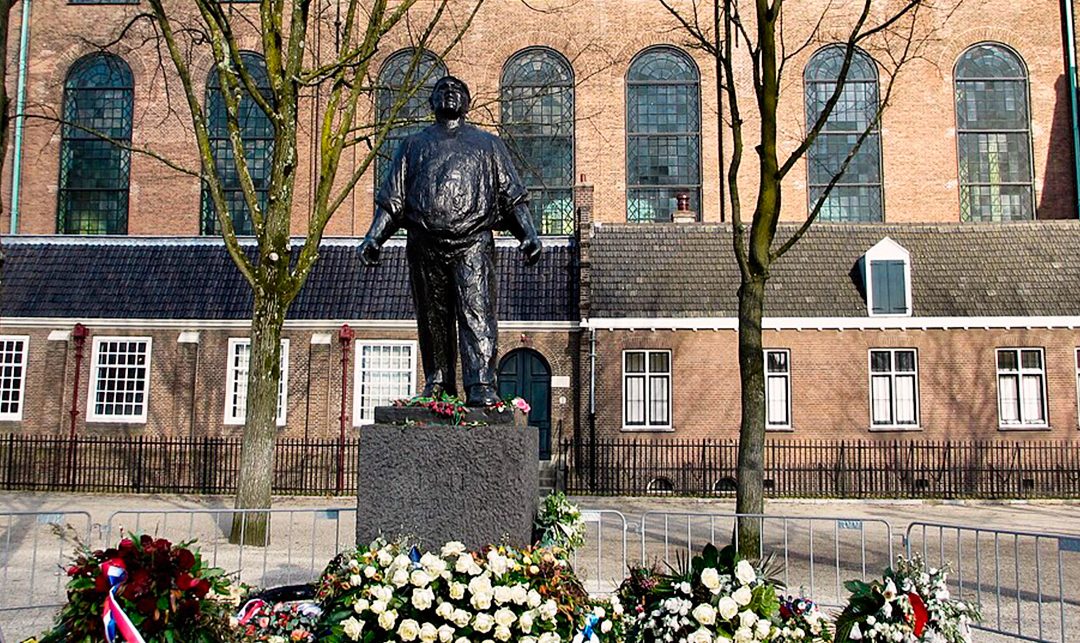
x,y
450,185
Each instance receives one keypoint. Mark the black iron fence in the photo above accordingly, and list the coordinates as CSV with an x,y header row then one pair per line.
x,y
828,469
169,465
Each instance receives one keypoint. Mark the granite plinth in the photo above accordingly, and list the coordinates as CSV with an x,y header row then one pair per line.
x,y
432,483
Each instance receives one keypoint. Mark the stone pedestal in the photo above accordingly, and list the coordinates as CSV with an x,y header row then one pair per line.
x,y
433,483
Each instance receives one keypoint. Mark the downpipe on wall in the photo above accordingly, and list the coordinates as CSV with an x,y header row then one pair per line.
x,y
20,104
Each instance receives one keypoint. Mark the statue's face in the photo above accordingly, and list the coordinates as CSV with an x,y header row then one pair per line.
x,y
450,99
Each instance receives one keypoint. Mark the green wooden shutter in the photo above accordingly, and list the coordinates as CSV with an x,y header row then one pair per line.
x,y
889,293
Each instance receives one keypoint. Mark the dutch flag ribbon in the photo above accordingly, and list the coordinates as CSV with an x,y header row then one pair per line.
x,y
587,635
248,611
113,616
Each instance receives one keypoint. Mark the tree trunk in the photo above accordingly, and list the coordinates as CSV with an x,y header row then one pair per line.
x,y
750,498
260,426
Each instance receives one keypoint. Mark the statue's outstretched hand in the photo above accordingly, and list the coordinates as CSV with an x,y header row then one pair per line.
x,y
370,251
531,247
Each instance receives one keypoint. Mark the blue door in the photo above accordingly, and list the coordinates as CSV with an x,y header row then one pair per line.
x,y
524,373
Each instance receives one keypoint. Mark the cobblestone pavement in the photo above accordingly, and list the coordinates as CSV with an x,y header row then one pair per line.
x,y
820,543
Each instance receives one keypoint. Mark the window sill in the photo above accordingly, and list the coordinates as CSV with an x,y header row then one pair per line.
x,y
1024,427
647,429
779,429
895,428
107,420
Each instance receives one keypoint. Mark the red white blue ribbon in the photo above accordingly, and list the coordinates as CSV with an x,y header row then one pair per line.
x,y
113,616
250,608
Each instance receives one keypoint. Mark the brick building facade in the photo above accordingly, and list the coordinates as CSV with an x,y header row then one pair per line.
x,y
627,307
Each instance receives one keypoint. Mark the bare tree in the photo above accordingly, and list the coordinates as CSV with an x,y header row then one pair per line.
x,y
736,36
342,81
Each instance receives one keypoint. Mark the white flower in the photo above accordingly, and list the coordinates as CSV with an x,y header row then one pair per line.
x,y
727,607
483,622
548,610
379,606
502,633
548,637
420,578
743,596
855,634
461,618
356,580
446,633
422,598
705,614
504,617
400,578
361,605
599,612
684,587
352,628
744,635
525,622
444,610
700,635
889,591
763,627
710,578
457,590
605,626
385,558
369,571
503,594
481,600
744,571
428,633
408,630
453,548
534,599
497,563
387,619
747,619
520,594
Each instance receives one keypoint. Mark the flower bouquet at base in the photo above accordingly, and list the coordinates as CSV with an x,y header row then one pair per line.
x,y
719,596
559,524
165,591
391,592
910,604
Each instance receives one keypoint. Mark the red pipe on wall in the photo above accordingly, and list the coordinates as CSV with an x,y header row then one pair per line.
x,y
79,335
345,338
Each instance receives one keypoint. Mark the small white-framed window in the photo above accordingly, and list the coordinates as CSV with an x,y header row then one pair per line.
x,y
894,388
236,381
1021,374
646,389
777,388
887,279
13,350
119,380
385,371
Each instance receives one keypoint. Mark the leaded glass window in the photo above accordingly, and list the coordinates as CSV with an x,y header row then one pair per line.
x,y
538,126
95,166
257,133
663,141
993,126
857,195
403,71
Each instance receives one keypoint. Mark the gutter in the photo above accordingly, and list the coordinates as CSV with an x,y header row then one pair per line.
x,y
20,104
1070,49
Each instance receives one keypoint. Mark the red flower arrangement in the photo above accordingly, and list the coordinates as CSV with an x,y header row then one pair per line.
x,y
169,593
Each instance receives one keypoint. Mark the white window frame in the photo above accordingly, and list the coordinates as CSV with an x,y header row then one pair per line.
x,y
95,380
786,376
669,375
1019,373
892,374
358,346
25,359
887,250
231,417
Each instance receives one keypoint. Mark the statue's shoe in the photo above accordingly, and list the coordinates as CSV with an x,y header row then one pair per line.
x,y
481,395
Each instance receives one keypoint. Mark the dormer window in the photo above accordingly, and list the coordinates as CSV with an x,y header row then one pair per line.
x,y
887,279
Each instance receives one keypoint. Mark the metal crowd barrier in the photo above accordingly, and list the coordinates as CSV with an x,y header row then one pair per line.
x,y
36,548
601,562
817,553
300,542
1020,579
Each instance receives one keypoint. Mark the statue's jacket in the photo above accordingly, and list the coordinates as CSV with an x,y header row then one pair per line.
x,y
452,185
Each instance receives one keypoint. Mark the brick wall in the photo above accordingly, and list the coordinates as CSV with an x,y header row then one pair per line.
x,y
177,370
601,38
830,382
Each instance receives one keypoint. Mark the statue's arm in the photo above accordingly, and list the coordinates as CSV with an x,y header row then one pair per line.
x,y
389,209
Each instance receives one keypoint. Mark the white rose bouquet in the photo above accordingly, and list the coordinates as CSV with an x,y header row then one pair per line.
x,y
722,596
387,592
910,604
559,524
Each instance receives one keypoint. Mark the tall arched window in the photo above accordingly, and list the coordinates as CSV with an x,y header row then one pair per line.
x,y
537,95
99,97
993,135
257,133
399,72
663,134
857,196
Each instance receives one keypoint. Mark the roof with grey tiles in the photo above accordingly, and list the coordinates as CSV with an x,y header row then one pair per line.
x,y
1015,269
194,278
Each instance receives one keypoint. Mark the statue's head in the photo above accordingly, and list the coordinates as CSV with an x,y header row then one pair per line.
x,y
450,98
